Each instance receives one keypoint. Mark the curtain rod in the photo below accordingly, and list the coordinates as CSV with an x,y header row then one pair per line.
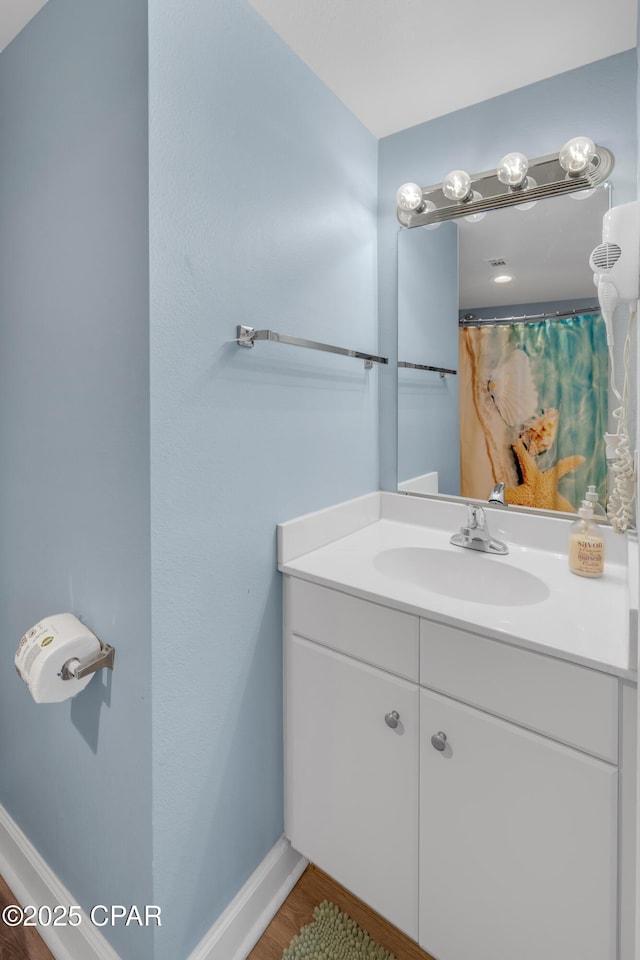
x,y
469,320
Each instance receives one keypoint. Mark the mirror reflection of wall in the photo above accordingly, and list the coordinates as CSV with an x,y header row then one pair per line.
x,y
428,423
533,396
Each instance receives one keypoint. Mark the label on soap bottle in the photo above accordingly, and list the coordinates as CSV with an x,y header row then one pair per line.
x,y
586,555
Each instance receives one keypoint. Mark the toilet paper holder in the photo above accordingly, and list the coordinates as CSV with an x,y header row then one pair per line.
x,y
75,669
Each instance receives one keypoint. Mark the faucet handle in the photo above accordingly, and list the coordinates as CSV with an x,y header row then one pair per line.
x,y
476,518
475,534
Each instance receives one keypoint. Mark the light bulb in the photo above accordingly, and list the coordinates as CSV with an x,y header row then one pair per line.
x,y
576,155
503,278
457,185
512,169
409,197
527,185
476,217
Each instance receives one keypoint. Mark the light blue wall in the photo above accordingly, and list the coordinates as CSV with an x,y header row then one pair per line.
x,y
74,508
263,211
598,99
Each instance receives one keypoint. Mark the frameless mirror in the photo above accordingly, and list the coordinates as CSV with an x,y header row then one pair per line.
x,y
528,399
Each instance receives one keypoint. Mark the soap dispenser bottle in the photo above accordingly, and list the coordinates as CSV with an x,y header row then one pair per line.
x,y
586,545
599,513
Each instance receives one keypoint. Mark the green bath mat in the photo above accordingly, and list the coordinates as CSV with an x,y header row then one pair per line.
x,y
334,936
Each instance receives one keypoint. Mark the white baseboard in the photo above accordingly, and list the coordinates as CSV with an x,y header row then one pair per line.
x,y
238,929
232,937
34,883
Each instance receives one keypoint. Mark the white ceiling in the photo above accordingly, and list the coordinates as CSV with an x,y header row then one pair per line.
x,y
14,15
545,249
396,63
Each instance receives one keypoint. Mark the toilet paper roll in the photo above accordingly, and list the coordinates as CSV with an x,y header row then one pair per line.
x,y
43,652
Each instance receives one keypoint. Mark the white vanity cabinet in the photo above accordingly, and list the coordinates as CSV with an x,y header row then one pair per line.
x,y
351,753
517,842
498,837
522,827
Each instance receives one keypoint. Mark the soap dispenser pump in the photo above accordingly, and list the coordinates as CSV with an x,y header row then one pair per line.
x,y
599,513
586,545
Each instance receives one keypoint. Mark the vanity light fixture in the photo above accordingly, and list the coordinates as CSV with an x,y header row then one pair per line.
x,y
512,170
457,186
580,166
529,184
475,217
409,197
576,155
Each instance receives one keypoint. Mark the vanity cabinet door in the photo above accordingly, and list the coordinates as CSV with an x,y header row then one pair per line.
x,y
351,777
517,842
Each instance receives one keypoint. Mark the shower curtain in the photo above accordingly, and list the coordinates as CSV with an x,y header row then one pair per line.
x,y
533,410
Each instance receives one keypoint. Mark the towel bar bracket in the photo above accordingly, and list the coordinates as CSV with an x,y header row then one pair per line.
x,y
245,335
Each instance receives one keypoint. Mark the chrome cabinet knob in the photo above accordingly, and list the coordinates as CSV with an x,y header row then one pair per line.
x,y
439,740
392,719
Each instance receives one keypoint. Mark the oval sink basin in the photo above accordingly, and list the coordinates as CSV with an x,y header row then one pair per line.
x,y
464,575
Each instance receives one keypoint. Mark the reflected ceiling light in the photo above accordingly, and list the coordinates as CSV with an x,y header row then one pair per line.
x,y
503,278
512,169
409,197
576,155
457,186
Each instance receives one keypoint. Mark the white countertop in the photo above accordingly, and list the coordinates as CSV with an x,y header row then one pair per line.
x,y
583,620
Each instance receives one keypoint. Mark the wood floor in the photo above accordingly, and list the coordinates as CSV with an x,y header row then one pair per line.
x,y
313,887
19,943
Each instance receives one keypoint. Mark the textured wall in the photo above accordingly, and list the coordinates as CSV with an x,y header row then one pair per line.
x,y
598,100
74,507
263,211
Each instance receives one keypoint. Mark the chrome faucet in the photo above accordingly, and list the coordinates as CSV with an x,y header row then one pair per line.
x,y
497,496
475,533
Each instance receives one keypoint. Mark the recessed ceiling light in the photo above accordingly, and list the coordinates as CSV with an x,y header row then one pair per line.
x,y
503,278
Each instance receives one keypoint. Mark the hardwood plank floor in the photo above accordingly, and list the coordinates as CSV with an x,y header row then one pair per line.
x,y
19,943
312,888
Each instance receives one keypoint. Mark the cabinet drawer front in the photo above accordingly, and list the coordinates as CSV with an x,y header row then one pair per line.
x,y
562,700
378,635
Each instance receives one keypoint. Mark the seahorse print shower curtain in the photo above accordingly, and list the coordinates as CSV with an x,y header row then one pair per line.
x,y
533,410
